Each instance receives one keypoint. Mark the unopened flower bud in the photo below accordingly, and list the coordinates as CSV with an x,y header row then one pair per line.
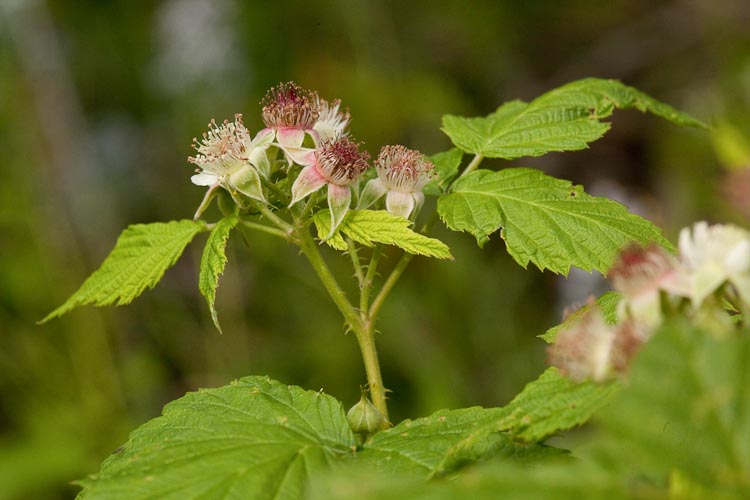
x,y
364,418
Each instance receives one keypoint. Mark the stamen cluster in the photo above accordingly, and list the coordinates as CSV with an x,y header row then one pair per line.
x,y
289,106
340,161
221,143
403,169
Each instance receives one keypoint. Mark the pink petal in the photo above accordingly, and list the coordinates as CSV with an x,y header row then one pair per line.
x,y
301,156
339,199
263,138
290,137
399,203
308,181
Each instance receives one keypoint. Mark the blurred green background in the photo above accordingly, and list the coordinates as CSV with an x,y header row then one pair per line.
x,y
99,101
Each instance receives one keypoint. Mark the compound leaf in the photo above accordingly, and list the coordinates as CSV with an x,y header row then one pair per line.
x,y
564,119
255,438
552,403
213,261
142,254
368,227
546,221
444,441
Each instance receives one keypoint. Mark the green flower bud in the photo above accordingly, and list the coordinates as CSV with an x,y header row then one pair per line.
x,y
364,418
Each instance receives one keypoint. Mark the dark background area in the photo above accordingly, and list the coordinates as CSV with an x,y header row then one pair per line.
x,y
99,101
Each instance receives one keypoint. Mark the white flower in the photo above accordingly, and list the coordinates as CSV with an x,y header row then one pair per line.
x,y
331,123
710,257
230,158
402,173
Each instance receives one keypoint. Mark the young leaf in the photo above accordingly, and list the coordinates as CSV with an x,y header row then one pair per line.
x,y
552,403
442,442
368,227
608,305
546,221
255,438
142,254
213,262
446,169
564,119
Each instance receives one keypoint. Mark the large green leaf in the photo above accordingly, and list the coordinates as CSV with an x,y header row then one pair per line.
x,y
142,254
551,404
444,441
368,227
546,221
492,481
564,119
213,261
255,438
684,415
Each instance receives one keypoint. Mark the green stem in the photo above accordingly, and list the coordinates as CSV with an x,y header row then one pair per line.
x,y
389,284
278,221
356,263
372,269
471,166
265,229
362,330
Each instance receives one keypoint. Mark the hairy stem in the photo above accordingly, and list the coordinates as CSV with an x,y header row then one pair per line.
x,y
278,221
356,263
362,330
372,269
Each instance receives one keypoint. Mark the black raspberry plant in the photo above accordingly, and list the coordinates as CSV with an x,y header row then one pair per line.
x,y
302,178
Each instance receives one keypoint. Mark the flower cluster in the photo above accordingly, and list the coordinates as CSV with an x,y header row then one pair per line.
x,y
311,132
712,269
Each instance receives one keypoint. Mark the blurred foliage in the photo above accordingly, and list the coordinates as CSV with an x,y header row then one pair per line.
x,y
100,101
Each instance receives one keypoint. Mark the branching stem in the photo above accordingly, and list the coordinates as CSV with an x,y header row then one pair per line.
x,y
361,329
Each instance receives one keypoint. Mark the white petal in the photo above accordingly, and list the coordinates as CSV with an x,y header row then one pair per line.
x,y
205,179
399,203
301,156
290,137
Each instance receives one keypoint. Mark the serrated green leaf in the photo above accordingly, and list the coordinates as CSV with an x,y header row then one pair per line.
x,y
444,441
564,119
546,221
255,438
491,481
685,409
213,261
446,169
142,254
368,227
607,304
553,403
